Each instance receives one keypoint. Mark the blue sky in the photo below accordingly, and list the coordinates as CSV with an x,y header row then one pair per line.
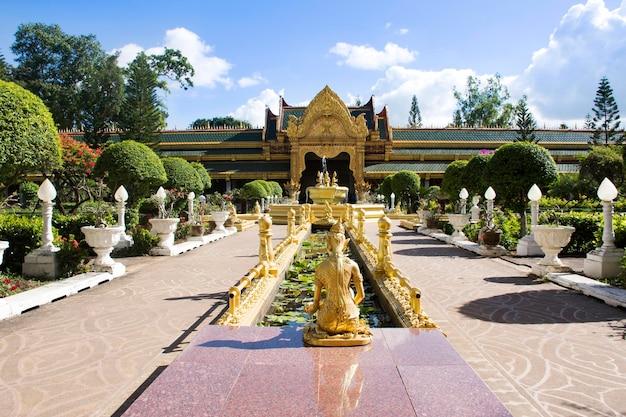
x,y
249,53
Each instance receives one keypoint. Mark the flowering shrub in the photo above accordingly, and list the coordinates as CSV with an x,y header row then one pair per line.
x,y
7,287
72,258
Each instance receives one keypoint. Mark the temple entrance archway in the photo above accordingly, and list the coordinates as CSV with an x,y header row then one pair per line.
x,y
339,164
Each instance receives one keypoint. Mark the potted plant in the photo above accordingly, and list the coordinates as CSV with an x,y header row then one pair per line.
x,y
164,226
218,207
102,238
458,220
552,237
490,234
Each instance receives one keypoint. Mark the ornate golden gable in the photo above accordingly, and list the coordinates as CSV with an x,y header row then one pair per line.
x,y
327,117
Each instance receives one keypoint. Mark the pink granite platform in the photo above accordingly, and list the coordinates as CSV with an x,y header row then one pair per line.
x,y
256,371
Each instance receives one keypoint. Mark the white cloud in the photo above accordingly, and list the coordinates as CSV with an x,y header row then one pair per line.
x,y
209,70
251,81
562,78
367,57
254,109
433,89
402,31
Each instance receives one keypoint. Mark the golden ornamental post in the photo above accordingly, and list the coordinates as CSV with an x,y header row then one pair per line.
x,y
384,245
291,224
266,252
361,226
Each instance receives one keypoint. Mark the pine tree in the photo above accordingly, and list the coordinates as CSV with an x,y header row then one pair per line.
x,y
589,125
142,114
525,123
606,116
4,68
415,116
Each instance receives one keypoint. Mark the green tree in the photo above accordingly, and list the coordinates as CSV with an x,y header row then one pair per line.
x,y
53,65
473,174
385,188
29,141
601,162
606,116
142,113
219,122
406,186
452,181
133,165
415,116
101,96
525,123
277,190
483,108
181,175
5,69
514,168
204,175
253,190
588,122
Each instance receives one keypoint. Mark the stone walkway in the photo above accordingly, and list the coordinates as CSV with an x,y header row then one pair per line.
x,y
544,350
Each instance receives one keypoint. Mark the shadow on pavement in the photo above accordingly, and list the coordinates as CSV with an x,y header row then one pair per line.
x,y
541,307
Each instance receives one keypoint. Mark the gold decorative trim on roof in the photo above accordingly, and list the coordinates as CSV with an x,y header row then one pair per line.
x,y
315,120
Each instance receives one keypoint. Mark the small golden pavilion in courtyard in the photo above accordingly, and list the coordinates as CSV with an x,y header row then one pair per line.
x,y
358,143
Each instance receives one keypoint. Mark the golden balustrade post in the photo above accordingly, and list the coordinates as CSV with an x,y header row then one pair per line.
x,y
291,224
266,252
361,225
384,245
302,216
349,216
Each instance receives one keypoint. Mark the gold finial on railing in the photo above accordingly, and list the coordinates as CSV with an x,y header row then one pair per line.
x,y
384,246
266,252
361,226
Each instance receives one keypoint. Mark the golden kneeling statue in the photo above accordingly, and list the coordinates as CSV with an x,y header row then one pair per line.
x,y
338,322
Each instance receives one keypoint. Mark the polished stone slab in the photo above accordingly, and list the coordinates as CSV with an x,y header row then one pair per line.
x,y
256,371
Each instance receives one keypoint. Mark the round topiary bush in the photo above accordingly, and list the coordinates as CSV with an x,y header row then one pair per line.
x,y
29,141
181,175
133,165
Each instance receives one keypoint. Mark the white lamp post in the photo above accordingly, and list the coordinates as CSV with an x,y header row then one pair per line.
x,y
527,246
46,194
190,198
604,262
463,194
42,261
121,196
490,195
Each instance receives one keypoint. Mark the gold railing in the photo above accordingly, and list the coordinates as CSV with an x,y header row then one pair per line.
x,y
255,285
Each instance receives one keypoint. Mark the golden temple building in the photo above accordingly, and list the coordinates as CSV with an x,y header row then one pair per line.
x,y
357,142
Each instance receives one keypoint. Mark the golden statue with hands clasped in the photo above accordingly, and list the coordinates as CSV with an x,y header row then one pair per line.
x,y
338,322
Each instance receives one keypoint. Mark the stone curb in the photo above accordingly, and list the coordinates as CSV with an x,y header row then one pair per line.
x,y
590,287
19,303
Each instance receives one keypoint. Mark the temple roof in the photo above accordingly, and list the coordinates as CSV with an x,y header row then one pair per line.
x,y
488,135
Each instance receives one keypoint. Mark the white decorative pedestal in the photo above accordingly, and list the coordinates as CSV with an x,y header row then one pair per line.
x,y
603,262
219,217
552,240
164,228
103,240
527,246
458,221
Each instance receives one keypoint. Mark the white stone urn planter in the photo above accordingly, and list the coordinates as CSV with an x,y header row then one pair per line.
x,y
552,240
164,228
219,217
103,240
458,221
